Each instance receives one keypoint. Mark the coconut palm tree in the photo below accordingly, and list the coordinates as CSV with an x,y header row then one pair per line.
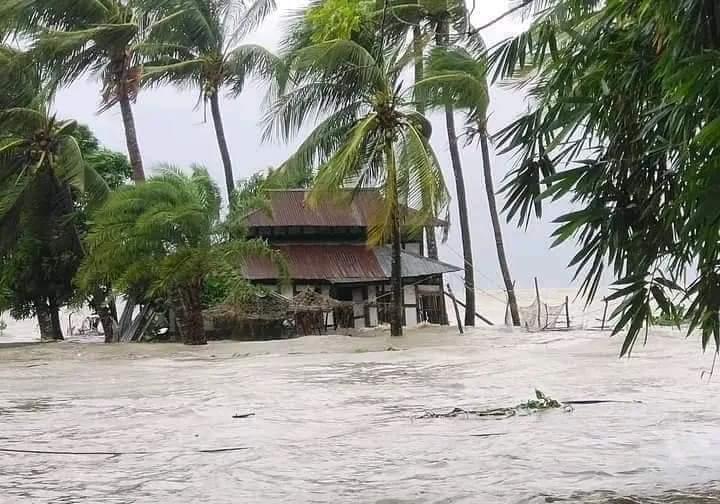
x,y
446,22
165,237
41,166
454,77
370,135
72,38
199,50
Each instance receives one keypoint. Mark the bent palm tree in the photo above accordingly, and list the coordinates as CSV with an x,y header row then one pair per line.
x,y
40,164
166,237
101,37
455,78
447,22
370,136
198,49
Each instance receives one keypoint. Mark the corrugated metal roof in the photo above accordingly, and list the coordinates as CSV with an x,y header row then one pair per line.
x,y
289,209
412,265
343,263
320,262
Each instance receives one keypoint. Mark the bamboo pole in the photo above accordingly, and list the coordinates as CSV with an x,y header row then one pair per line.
x,y
457,310
476,313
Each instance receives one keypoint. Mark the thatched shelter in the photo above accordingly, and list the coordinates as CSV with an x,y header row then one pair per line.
x,y
255,317
312,301
265,306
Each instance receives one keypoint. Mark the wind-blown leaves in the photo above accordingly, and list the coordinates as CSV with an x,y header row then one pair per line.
x,y
623,125
165,234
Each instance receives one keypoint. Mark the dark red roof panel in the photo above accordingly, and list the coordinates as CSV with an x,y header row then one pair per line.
x,y
320,262
289,209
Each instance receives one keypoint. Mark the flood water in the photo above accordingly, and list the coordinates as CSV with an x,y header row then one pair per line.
x,y
335,421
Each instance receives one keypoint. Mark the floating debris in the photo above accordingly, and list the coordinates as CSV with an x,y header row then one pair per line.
x,y
243,415
540,403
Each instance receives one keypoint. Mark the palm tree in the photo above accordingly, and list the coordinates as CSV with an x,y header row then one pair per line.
x,y
370,136
165,237
456,78
199,50
74,37
40,167
447,22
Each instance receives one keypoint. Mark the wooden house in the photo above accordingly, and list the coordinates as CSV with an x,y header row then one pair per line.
x,y
326,250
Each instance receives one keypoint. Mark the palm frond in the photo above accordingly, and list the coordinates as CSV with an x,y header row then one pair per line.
x,y
184,74
303,103
349,162
455,78
425,189
22,120
324,140
250,60
252,18
340,59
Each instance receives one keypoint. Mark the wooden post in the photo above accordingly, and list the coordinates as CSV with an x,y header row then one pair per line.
x,y
602,327
457,310
567,311
537,293
476,313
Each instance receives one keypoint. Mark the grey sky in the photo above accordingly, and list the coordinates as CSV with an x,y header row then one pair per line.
x,y
171,130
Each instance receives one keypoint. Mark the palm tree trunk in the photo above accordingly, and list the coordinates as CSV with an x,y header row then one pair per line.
x,y
193,325
442,38
495,218
432,250
396,318
396,323
131,138
222,144
464,217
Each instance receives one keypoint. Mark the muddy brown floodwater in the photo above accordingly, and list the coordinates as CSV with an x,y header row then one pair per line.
x,y
334,421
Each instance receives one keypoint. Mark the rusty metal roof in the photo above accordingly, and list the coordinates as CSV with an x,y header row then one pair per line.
x,y
343,263
289,209
320,262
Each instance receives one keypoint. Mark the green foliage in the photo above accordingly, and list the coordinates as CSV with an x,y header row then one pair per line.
x,y
197,47
19,79
279,178
112,166
338,19
369,134
41,173
44,181
454,77
164,236
71,38
624,124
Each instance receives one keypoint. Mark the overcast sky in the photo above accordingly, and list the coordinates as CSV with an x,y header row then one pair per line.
x,y
171,129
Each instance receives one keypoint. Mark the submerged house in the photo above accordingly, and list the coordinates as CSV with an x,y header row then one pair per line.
x,y
326,250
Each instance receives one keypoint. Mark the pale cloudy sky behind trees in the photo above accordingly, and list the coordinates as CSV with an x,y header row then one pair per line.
x,y
171,129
